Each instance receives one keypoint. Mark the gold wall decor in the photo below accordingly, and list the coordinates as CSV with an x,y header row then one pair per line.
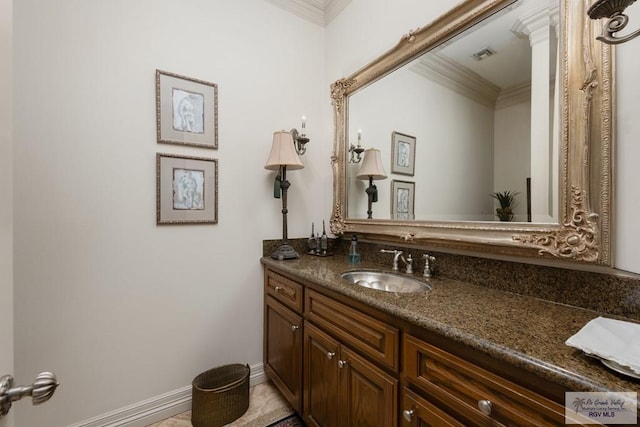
x,y
581,233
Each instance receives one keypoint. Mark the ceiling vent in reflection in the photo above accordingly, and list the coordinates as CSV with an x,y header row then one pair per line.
x,y
483,54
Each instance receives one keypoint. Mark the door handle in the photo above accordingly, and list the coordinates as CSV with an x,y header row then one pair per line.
x,y
40,391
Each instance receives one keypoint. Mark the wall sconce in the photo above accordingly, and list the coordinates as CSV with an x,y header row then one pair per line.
x,y
355,153
283,155
300,139
371,169
614,10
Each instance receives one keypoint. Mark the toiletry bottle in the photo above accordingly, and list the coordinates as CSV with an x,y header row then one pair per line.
x,y
312,242
354,256
324,240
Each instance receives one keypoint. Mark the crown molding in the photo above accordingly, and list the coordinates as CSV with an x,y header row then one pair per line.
x,y
457,78
320,12
469,84
514,95
333,9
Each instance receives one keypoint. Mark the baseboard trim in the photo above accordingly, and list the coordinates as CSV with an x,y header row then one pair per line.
x,y
158,408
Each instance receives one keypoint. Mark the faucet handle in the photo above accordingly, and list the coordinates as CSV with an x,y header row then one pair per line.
x,y
429,262
409,263
391,251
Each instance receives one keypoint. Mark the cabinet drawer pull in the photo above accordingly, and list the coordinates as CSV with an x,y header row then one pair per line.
x,y
342,363
330,355
279,288
294,328
408,414
485,406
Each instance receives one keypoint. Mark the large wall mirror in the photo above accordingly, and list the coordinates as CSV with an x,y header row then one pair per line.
x,y
497,101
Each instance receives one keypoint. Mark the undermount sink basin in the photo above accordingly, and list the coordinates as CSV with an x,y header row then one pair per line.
x,y
388,282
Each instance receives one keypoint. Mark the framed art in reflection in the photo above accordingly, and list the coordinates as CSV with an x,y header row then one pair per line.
x,y
402,199
403,153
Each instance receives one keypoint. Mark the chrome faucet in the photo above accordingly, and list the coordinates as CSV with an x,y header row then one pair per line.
x,y
429,262
397,255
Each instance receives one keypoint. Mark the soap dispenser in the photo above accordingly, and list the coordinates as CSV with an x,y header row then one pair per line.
x,y
354,256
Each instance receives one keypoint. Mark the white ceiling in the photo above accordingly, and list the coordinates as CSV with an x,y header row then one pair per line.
x,y
319,12
511,65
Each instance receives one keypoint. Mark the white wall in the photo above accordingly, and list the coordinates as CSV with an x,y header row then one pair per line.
x,y
412,104
121,309
6,204
513,152
627,153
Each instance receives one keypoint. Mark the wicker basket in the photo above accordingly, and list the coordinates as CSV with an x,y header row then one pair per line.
x,y
220,395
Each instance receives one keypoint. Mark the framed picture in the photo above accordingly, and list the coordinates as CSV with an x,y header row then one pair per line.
x,y
186,111
403,153
402,199
187,190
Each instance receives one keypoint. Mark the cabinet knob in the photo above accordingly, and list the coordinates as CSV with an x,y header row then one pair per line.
x,y
485,406
330,355
408,414
342,363
278,288
294,328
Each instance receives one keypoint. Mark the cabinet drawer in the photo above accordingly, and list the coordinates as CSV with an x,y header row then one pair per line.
x,y
417,411
362,332
284,290
463,387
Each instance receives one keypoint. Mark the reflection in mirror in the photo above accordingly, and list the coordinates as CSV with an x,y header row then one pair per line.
x,y
479,115
475,143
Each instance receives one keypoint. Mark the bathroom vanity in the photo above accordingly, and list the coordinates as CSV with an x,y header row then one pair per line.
x,y
461,353
458,354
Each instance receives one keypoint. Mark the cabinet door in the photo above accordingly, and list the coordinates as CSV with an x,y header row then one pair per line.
x,y
283,350
418,412
321,385
369,396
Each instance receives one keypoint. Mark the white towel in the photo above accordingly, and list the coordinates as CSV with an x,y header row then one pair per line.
x,y
610,339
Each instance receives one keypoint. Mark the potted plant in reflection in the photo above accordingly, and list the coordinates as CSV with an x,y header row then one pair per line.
x,y
507,204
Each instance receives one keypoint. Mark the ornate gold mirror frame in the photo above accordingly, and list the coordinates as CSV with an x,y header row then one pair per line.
x,y
586,107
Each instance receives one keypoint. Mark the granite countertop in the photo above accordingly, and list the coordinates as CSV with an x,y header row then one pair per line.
x,y
526,332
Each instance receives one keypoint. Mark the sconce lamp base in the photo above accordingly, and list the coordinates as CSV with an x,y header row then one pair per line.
x,y
299,141
285,251
617,20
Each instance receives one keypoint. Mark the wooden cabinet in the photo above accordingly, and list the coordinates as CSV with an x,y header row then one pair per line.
x,y
468,393
341,388
326,365
283,338
341,367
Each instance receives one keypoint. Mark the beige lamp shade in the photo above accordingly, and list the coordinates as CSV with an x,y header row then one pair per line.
x,y
283,153
371,165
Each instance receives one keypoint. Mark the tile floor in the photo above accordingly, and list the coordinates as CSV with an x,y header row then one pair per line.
x,y
266,405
